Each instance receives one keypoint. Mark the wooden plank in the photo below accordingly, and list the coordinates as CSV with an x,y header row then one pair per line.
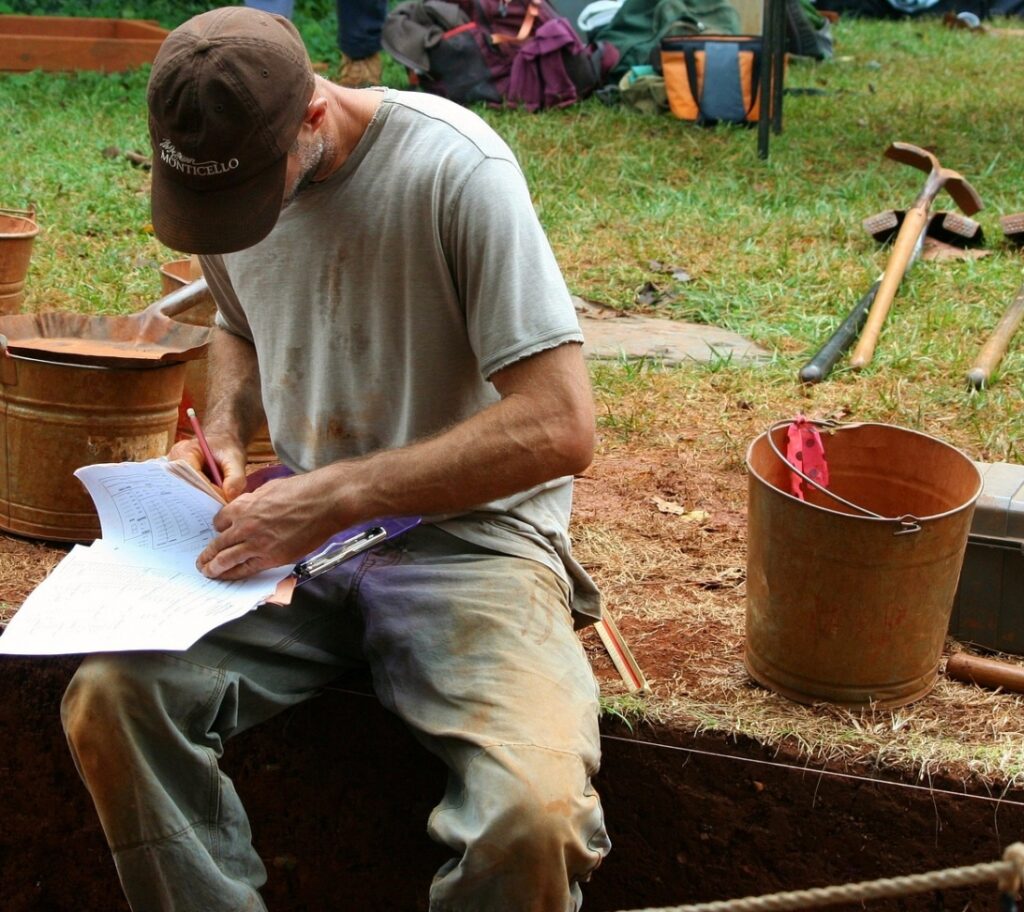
x,y
621,655
55,43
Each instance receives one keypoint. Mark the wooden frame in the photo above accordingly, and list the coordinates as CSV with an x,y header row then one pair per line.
x,y
73,43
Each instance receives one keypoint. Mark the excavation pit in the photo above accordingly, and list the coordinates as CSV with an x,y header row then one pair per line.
x,y
339,793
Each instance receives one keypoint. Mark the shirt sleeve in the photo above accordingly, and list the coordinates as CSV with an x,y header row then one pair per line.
x,y
230,315
515,298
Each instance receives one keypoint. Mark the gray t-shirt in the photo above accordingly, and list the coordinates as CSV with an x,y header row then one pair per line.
x,y
387,295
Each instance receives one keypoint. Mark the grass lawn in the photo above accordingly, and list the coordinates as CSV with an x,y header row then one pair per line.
x,y
772,249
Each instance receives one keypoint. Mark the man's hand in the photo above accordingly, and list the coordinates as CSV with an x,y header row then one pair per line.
x,y
279,523
543,428
227,451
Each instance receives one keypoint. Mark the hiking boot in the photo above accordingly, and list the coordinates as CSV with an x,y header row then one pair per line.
x,y
356,74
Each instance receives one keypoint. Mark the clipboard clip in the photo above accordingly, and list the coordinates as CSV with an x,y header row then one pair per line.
x,y
350,542
338,552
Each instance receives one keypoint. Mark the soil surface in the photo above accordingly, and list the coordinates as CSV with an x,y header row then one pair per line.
x,y
339,792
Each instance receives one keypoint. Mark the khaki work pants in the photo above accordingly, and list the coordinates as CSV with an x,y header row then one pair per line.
x,y
474,650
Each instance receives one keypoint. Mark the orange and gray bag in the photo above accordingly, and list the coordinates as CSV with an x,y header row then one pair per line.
x,y
712,79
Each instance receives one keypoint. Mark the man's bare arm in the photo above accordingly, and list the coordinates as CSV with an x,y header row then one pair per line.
x,y
543,428
234,409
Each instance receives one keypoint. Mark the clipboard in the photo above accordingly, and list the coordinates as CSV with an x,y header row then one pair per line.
x,y
350,542
339,548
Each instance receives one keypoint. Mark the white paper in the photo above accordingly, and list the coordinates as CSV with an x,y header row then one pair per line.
x,y
137,587
142,505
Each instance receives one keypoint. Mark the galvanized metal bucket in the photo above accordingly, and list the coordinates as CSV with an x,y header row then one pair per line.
x,y
849,592
18,231
56,417
77,390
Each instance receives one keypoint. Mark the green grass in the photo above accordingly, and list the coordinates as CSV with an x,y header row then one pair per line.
x,y
774,249
629,710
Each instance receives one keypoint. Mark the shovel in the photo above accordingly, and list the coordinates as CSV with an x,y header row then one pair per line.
x,y
144,339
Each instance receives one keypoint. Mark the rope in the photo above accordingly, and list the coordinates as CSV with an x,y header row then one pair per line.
x,y
1009,873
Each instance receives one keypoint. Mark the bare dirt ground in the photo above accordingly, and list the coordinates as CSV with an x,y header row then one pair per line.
x,y
660,522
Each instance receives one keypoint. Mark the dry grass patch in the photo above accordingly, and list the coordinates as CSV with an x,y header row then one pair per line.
x,y
676,586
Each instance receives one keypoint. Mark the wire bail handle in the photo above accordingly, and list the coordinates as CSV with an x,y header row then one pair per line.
x,y
29,213
908,524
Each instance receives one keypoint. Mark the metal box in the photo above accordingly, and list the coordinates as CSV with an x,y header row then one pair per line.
x,y
989,605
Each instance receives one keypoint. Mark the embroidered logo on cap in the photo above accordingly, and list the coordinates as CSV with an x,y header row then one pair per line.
x,y
175,159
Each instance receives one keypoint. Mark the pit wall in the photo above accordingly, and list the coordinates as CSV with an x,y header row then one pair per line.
x,y
339,793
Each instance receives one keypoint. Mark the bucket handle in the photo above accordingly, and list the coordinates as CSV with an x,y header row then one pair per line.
x,y
8,366
908,524
29,213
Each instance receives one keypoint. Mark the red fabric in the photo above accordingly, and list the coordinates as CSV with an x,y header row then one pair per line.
x,y
806,452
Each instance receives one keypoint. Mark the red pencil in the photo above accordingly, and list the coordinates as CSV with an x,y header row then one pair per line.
x,y
211,463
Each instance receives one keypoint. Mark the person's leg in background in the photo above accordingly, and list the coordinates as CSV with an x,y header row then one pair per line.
x,y
281,7
359,27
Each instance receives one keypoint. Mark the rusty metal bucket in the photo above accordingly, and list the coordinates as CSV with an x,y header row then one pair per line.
x,y
849,594
18,231
178,274
77,390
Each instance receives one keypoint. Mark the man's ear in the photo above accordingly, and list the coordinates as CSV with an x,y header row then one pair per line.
x,y
316,111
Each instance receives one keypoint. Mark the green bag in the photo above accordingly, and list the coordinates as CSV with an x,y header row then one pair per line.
x,y
639,25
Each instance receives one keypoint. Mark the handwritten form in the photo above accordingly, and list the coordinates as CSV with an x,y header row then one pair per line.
x,y
137,587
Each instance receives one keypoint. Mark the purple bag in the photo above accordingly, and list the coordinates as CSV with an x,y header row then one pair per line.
x,y
465,50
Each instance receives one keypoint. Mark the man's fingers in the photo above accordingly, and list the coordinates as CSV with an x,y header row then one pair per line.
x,y
227,516
188,451
229,457
244,570
250,536
230,563
233,471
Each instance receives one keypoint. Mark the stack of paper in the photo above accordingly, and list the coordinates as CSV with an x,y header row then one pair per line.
x,y
138,586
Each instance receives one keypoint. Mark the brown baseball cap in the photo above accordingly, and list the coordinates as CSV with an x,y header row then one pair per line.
x,y
227,96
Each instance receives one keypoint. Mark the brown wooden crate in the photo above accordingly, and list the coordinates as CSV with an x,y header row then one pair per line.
x,y
71,43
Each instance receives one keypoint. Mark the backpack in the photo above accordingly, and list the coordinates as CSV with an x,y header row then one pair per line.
x,y
516,52
639,26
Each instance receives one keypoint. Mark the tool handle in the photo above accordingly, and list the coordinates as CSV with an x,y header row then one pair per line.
x,y
985,672
993,350
819,367
179,300
902,254
184,298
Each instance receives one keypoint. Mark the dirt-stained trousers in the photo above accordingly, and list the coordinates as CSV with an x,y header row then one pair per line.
x,y
473,649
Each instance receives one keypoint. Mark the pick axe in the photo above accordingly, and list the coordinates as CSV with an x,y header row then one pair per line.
x,y
910,234
995,346
947,227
